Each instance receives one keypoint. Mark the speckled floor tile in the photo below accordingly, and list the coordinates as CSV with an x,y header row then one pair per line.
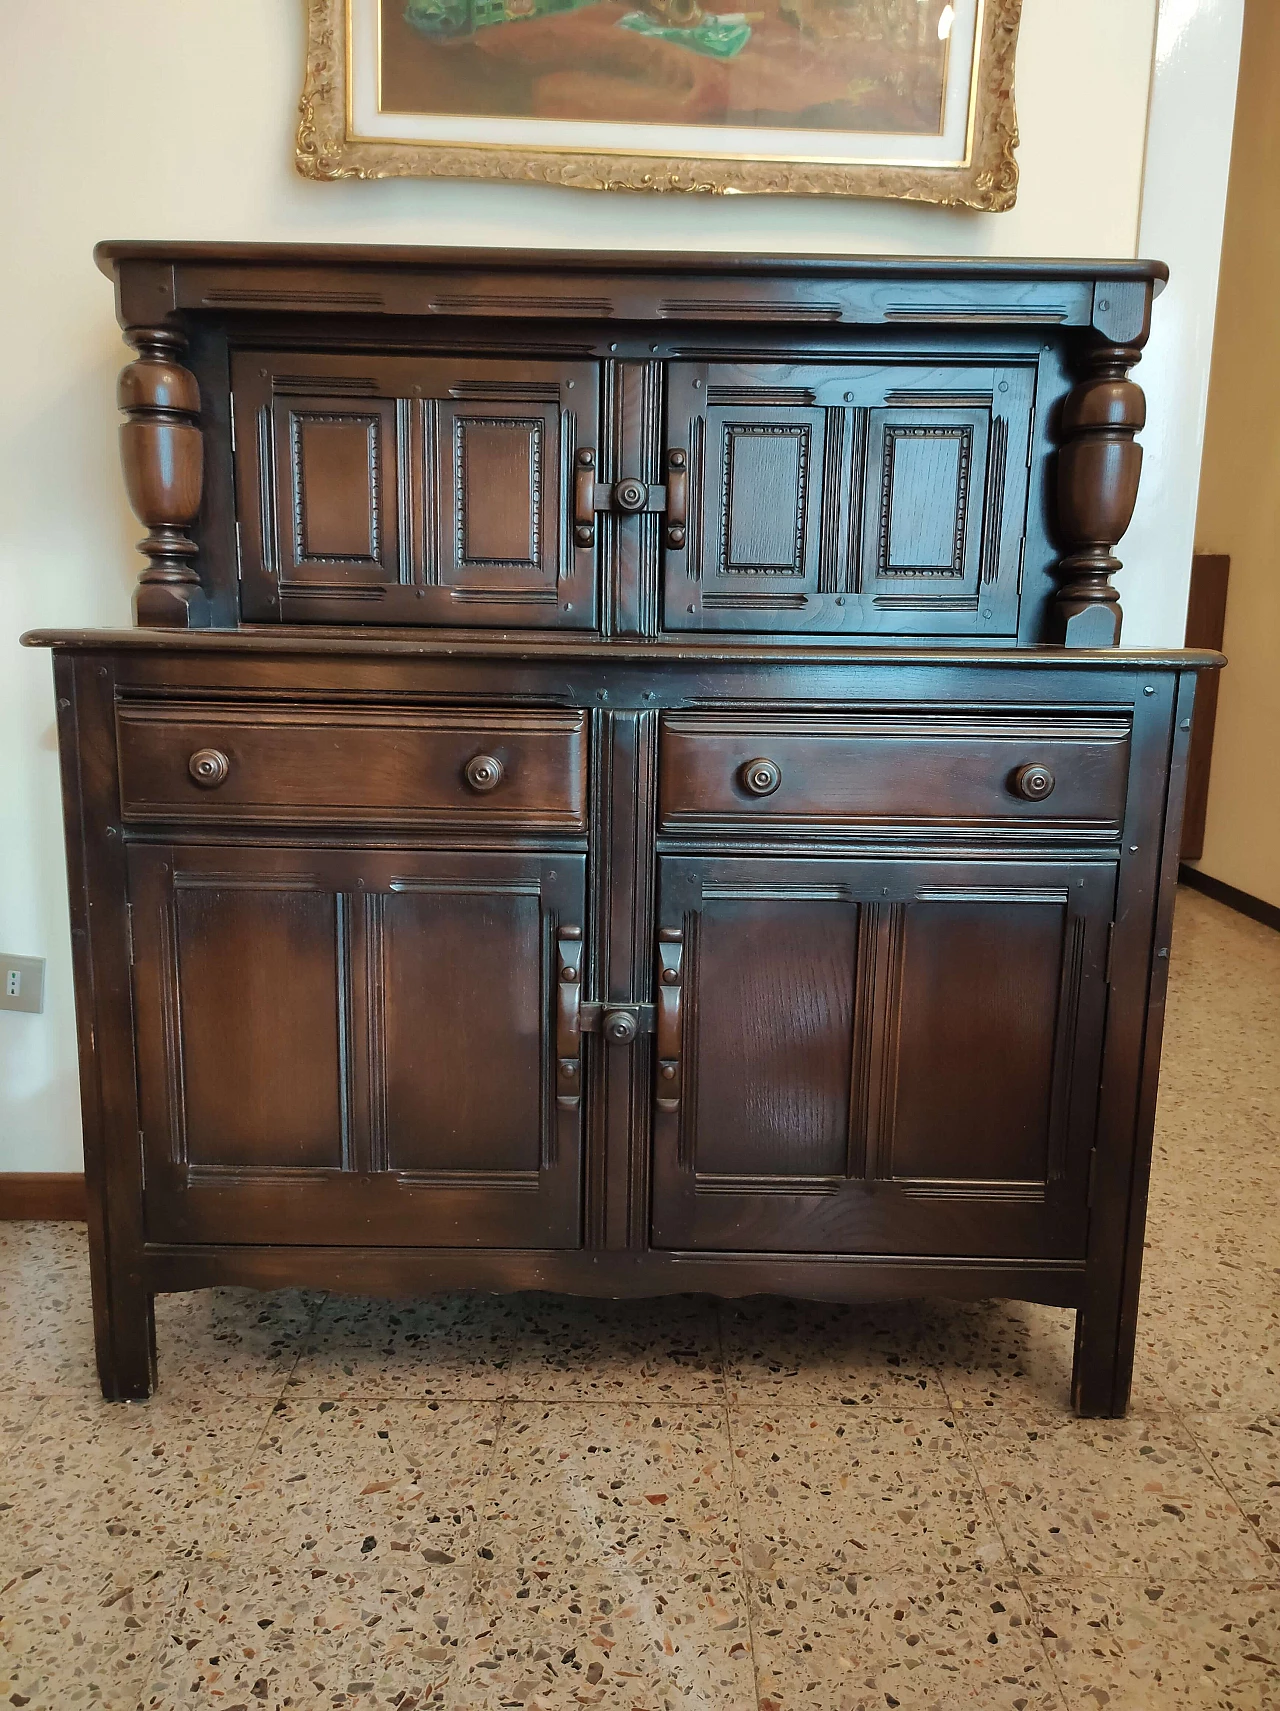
x,y
271,1635
94,1478
922,1643
617,1351
1232,1249
46,1314
350,1483
806,1352
1139,1646
34,1248
1212,1350
82,1632
996,1355
1222,1050
835,1491
231,1342
1111,1497
591,1486
18,1414
1245,1455
618,1638
455,1346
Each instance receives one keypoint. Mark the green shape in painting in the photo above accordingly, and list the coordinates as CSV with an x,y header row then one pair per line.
x,y
719,35
453,19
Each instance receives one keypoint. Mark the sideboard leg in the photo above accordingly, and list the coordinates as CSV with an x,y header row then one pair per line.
x,y
125,1336
1102,1374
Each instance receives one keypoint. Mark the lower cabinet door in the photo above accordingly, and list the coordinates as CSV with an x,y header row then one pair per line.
x,y
878,1056
350,1046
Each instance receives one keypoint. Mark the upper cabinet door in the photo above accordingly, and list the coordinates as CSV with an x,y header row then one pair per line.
x,y
850,497
412,490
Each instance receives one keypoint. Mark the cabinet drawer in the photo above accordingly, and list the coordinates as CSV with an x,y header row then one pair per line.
x,y
1023,773
515,771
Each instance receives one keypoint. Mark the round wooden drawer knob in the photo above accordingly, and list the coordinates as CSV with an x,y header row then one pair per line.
x,y
1033,783
483,772
761,777
209,768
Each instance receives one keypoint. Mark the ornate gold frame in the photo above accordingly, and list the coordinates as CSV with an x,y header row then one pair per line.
x,y
988,179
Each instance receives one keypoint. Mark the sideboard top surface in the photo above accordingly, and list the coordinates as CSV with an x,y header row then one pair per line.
x,y
427,644
158,279
429,257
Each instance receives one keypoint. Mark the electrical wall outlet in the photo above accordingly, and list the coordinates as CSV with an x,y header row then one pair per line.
x,y
21,983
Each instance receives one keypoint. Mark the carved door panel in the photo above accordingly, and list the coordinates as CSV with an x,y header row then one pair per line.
x,y
412,490
358,1046
877,1056
849,497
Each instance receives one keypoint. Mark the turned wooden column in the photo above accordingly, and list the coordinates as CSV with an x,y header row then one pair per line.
x,y
1098,469
163,456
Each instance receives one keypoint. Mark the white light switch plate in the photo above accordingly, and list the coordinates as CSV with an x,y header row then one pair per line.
x,y
21,983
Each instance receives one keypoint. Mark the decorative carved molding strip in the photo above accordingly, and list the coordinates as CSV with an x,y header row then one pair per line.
x,y
795,396
238,297
514,303
940,400
322,385
993,502
969,314
746,309
516,391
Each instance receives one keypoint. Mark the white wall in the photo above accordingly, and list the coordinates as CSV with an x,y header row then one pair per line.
x,y
150,118
1183,202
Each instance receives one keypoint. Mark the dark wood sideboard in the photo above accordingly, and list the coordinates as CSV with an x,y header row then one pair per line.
x,y
624,781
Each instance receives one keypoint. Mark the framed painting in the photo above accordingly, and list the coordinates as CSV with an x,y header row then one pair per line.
x,y
902,98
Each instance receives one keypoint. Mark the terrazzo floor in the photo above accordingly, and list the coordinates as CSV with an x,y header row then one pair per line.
x,y
679,1506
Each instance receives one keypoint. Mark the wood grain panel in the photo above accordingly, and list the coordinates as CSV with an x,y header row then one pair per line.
x,y
924,511
338,490
464,1074
498,486
773,979
337,499
976,1036
253,990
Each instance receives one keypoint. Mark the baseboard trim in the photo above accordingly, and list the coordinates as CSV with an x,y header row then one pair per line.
x,y
1243,902
43,1194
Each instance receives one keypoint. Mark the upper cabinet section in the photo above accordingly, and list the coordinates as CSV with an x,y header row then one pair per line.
x,y
785,449
851,498
411,490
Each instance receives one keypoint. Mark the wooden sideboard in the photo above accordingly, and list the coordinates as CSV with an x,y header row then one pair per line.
x,y
624,781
